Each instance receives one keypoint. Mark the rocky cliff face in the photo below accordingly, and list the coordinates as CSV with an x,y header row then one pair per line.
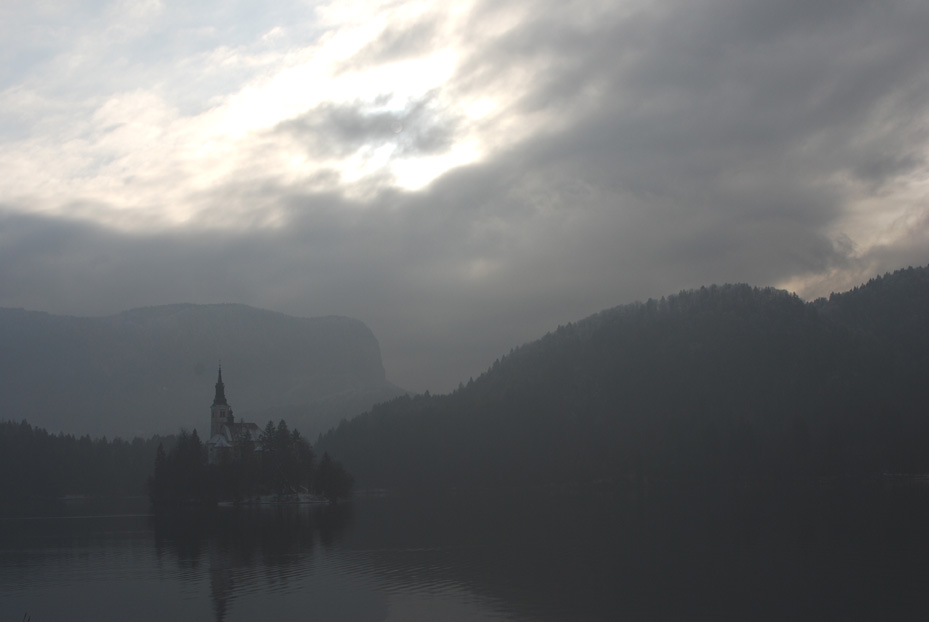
x,y
152,370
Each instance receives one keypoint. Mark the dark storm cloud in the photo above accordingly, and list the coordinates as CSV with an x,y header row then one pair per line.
x,y
339,130
689,143
735,115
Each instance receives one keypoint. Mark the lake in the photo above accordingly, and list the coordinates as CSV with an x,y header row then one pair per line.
x,y
532,556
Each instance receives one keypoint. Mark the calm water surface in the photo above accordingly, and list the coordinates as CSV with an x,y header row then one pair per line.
x,y
517,556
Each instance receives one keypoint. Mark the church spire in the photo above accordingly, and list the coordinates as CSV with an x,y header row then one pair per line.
x,y
220,398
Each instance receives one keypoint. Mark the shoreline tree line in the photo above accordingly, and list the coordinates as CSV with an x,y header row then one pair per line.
x,y
40,466
283,464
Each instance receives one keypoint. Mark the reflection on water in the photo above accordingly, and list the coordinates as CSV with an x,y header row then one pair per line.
x,y
513,556
255,550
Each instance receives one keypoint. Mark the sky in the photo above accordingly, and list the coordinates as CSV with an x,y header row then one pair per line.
x,y
462,177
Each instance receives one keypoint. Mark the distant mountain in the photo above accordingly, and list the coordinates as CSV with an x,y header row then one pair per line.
x,y
730,384
152,370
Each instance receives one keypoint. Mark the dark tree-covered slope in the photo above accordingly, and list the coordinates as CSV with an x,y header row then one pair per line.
x,y
38,466
152,370
726,384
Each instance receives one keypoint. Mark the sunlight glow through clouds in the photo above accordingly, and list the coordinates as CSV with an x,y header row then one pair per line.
x,y
138,151
872,223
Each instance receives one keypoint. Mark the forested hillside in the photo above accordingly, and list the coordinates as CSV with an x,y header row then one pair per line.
x,y
729,385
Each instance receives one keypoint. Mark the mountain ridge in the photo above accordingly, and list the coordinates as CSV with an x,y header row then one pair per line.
x,y
151,369
715,383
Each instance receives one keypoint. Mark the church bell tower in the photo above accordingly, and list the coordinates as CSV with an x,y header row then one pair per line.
x,y
220,411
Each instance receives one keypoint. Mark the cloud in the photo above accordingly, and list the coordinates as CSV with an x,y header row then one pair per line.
x,y
462,180
341,130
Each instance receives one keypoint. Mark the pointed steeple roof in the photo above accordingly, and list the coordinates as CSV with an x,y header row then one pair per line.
x,y
220,399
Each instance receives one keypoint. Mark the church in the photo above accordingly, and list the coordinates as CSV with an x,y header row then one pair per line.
x,y
225,433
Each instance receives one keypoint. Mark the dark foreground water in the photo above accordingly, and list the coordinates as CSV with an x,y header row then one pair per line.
x,y
519,556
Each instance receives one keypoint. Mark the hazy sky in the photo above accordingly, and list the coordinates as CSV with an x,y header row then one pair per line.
x,y
460,179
